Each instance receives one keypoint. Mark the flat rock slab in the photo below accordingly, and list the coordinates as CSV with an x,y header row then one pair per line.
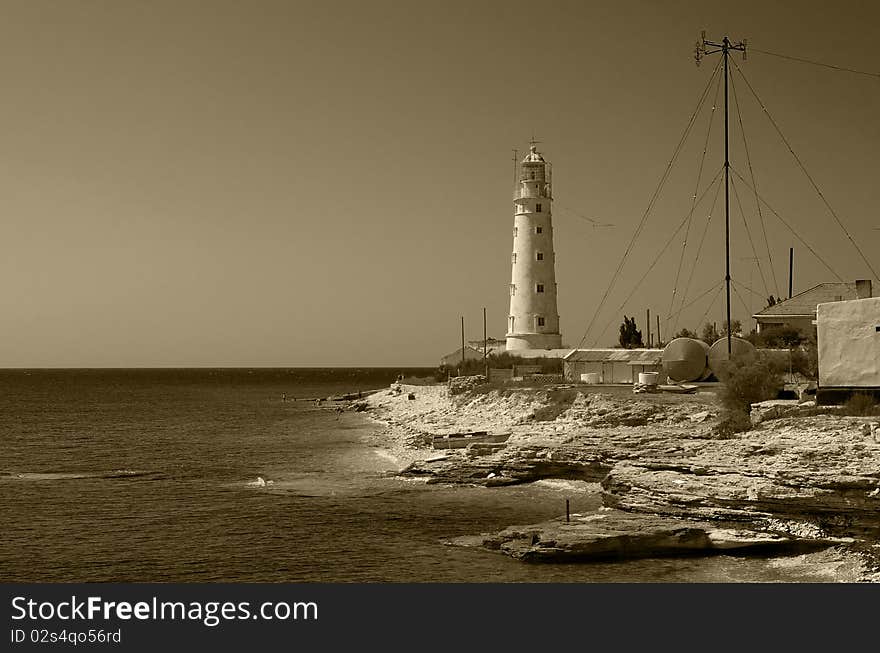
x,y
614,534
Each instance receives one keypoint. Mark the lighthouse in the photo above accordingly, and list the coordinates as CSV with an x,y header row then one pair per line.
x,y
533,321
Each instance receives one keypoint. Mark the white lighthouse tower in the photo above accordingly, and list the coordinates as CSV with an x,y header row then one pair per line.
x,y
533,322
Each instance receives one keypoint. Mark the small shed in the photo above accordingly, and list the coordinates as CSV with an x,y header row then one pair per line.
x,y
612,365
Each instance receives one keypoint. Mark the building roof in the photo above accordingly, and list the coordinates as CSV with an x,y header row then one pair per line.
x,y
540,353
630,356
468,351
804,304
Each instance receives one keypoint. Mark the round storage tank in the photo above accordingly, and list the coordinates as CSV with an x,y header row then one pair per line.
x,y
739,348
685,359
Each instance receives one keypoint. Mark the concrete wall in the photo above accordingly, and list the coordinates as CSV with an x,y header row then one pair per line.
x,y
849,343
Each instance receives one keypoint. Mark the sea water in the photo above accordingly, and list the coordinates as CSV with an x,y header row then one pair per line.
x,y
220,475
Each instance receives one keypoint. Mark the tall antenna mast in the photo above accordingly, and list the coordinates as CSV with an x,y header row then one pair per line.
x,y
699,52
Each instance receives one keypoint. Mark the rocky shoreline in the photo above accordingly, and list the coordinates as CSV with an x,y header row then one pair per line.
x,y
669,484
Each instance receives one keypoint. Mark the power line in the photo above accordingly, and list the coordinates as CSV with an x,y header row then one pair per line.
x,y
709,308
816,63
742,131
696,299
687,231
697,258
660,254
652,201
807,174
593,221
788,226
749,233
746,308
754,292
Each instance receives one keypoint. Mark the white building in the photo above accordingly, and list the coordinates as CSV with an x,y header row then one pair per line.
x,y
533,322
848,334
612,365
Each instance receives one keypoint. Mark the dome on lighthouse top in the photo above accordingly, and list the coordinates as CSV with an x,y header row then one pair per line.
x,y
533,156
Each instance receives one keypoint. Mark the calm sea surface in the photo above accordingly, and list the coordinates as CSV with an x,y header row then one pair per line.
x,y
150,475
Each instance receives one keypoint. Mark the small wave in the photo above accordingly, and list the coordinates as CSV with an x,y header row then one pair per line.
x,y
67,476
260,482
387,455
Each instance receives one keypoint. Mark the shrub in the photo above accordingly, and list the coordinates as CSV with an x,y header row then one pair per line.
x,y
748,381
805,360
780,337
733,422
501,360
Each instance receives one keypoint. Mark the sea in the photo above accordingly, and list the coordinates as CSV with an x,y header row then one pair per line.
x,y
238,475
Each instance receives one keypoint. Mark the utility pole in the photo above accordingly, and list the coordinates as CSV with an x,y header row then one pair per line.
x,y
790,269
724,48
485,359
462,345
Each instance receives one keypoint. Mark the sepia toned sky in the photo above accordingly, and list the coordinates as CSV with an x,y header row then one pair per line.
x,y
309,184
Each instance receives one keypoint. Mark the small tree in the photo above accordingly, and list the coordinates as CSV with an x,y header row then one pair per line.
x,y
686,333
709,334
735,328
630,337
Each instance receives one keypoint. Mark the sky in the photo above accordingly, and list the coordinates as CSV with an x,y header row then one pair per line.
x,y
330,184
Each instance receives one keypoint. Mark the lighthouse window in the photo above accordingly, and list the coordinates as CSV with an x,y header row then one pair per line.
x,y
538,207
539,256
513,258
539,230
539,321
539,287
512,289
514,232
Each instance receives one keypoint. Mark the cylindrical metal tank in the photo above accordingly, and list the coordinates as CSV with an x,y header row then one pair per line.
x,y
685,359
740,349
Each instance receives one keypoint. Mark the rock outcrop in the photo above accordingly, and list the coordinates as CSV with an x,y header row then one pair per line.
x,y
657,455
613,534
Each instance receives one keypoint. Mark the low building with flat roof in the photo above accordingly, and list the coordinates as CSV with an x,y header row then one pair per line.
x,y
612,365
